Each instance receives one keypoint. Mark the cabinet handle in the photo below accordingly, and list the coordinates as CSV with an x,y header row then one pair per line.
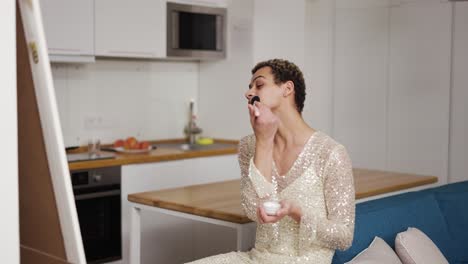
x,y
96,195
74,51
132,52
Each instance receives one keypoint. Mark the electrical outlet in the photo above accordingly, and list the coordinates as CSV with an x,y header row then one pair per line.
x,y
97,122
90,122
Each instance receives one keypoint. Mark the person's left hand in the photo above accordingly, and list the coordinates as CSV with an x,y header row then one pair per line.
x,y
287,208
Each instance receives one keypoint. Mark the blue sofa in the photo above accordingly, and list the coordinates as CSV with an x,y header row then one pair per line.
x,y
440,212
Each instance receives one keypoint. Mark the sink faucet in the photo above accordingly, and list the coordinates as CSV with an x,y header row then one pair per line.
x,y
191,130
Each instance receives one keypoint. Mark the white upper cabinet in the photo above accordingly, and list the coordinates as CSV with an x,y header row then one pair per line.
x,y
69,29
130,28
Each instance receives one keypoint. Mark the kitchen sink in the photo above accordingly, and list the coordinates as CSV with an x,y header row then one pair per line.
x,y
195,147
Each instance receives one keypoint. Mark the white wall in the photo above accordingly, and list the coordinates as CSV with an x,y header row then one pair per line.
x,y
223,108
113,99
371,78
9,222
279,28
318,64
458,169
419,89
361,80
386,81
258,30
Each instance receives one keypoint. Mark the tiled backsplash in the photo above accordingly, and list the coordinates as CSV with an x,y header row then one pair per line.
x,y
113,99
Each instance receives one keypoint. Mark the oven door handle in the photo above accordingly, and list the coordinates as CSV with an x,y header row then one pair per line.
x,y
96,195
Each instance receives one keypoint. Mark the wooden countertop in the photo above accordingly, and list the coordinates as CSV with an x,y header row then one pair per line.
x,y
222,200
156,155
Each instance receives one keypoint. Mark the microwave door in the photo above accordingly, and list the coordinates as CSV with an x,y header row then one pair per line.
x,y
195,31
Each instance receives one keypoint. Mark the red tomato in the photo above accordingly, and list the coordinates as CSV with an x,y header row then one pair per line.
x,y
144,145
131,143
118,143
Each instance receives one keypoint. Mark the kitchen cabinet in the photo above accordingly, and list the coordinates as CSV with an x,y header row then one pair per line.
x,y
69,29
130,29
168,239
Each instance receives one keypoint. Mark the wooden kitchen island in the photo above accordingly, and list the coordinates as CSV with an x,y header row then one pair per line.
x,y
220,203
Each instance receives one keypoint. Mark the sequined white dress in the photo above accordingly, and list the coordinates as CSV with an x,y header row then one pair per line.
x,y
321,182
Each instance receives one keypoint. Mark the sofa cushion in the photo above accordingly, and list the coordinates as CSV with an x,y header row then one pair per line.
x,y
454,207
415,247
452,187
388,216
377,252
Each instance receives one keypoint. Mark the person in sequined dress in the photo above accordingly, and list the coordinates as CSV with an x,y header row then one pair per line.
x,y
306,170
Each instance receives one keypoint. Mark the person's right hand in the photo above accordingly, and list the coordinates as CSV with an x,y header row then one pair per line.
x,y
263,121
288,208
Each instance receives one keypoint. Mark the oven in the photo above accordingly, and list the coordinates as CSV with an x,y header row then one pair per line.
x,y
98,203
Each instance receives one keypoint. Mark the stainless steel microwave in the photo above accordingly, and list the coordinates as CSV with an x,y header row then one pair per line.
x,y
195,31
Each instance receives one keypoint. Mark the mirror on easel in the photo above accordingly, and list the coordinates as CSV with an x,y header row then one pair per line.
x,y
49,227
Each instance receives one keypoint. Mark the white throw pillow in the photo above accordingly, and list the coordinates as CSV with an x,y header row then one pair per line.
x,y
414,247
377,252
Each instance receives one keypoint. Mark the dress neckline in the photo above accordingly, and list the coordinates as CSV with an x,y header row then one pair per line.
x,y
299,156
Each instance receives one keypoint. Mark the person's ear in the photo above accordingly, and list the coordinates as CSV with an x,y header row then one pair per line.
x,y
288,88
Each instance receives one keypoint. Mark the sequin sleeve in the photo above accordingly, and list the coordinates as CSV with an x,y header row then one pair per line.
x,y
254,186
337,229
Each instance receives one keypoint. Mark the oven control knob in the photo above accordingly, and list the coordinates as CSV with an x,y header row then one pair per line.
x,y
97,178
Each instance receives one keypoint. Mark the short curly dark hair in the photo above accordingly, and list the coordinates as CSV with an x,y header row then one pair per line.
x,y
284,71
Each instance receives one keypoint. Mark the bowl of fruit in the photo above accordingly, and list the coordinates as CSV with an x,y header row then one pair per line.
x,y
132,146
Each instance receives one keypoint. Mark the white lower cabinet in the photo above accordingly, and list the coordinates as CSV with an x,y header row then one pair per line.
x,y
168,239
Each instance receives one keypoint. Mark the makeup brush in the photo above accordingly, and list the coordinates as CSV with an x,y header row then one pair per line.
x,y
252,102
254,99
